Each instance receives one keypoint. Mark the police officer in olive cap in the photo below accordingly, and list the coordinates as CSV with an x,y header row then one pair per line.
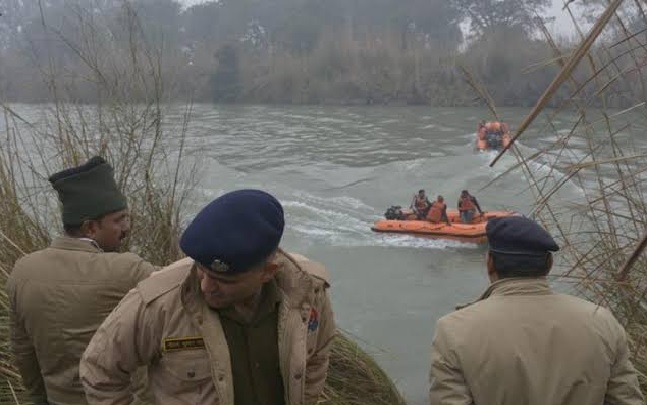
x,y
238,322
522,343
60,295
92,204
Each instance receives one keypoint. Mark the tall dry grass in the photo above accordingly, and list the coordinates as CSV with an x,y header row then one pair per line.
x,y
355,378
130,126
590,180
126,126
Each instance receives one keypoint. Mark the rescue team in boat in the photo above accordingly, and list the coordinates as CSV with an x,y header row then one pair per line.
x,y
436,212
434,219
492,135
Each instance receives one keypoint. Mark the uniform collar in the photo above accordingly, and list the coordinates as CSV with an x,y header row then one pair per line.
x,y
268,303
80,244
518,286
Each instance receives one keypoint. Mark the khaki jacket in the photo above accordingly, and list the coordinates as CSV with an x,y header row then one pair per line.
x,y
58,297
164,323
523,344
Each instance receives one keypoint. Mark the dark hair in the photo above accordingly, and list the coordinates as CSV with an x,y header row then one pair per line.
x,y
421,191
508,266
72,230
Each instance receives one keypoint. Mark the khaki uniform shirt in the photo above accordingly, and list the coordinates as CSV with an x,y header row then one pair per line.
x,y
166,325
58,297
524,344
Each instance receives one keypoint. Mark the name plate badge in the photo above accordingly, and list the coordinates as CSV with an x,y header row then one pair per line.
x,y
174,344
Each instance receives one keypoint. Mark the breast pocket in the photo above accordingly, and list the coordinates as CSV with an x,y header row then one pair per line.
x,y
183,377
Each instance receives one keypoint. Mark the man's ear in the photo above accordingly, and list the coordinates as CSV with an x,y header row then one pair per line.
x,y
549,262
270,268
269,271
89,228
491,272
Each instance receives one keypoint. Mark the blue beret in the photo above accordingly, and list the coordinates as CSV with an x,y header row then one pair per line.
x,y
235,231
518,235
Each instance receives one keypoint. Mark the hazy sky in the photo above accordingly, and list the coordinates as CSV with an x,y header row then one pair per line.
x,y
561,25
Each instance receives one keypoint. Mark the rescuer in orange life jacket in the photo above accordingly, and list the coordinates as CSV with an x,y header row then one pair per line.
x,y
467,206
481,130
420,204
438,211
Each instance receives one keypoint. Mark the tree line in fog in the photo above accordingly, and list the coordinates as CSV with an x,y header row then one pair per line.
x,y
416,52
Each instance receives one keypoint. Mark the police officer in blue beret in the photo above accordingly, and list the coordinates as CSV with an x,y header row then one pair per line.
x,y
523,343
238,322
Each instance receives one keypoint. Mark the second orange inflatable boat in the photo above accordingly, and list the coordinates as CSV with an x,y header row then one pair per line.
x,y
492,136
474,232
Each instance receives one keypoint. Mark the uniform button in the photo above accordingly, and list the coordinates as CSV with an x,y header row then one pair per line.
x,y
190,374
297,376
221,377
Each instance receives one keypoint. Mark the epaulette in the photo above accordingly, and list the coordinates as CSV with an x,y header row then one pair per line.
x,y
311,267
164,280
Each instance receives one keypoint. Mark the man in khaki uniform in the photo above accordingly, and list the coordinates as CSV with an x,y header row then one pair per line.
x,y
59,296
521,343
239,322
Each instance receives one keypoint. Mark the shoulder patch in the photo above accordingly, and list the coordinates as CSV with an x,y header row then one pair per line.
x,y
311,267
164,280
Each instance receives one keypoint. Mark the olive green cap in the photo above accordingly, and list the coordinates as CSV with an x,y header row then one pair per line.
x,y
88,191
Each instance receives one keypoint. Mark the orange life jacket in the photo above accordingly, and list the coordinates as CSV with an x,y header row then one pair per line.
x,y
481,132
467,204
436,212
421,203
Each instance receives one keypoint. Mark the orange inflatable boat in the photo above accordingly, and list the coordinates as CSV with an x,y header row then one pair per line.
x,y
474,232
492,136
